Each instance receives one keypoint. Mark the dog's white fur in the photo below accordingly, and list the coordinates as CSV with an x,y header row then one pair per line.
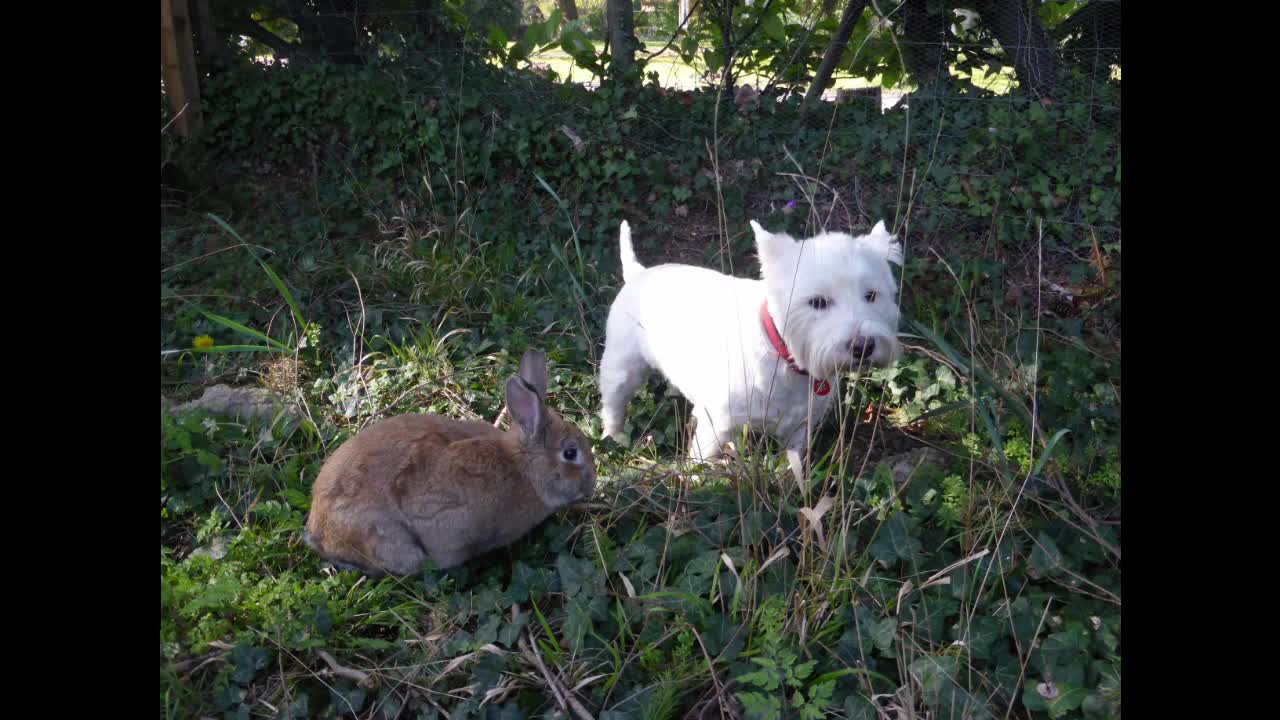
x,y
703,331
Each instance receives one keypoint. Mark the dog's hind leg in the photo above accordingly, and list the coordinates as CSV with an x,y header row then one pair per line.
x,y
622,370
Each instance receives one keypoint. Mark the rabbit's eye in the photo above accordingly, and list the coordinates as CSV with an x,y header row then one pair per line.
x,y
570,454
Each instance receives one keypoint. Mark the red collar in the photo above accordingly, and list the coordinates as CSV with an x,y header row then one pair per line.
x,y
820,387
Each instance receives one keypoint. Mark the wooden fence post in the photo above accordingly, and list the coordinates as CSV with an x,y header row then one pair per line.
x,y
178,66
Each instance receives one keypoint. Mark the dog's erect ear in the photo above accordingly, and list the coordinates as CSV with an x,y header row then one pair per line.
x,y
880,242
774,250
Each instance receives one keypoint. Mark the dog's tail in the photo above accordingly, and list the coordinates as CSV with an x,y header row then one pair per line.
x,y
630,266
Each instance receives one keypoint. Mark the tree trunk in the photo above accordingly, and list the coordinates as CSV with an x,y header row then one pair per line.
x,y
207,36
925,50
852,13
1017,26
568,8
727,50
622,43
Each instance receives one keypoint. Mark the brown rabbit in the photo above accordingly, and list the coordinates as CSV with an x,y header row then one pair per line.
x,y
418,486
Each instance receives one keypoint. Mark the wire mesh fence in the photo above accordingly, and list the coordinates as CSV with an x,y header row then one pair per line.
x,y
793,80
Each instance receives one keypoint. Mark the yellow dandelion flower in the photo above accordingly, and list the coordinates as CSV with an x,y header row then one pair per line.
x,y
204,342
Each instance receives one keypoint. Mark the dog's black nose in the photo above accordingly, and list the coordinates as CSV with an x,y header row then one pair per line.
x,y
862,347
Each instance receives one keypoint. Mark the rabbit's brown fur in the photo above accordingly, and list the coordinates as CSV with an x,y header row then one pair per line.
x,y
418,486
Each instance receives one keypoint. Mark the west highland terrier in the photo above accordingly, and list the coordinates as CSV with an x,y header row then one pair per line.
x,y
765,353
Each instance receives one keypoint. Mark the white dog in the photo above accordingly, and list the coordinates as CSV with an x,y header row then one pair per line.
x,y
754,352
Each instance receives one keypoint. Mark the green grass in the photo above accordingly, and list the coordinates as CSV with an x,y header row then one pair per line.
x,y
671,582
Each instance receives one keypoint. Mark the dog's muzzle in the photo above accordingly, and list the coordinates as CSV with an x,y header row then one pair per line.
x,y
862,352
861,349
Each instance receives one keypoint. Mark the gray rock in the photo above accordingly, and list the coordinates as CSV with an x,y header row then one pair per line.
x,y
216,549
241,402
904,465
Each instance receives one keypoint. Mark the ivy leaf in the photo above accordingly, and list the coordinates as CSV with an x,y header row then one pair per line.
x,y
248,661
348,699
938,676
983,633
527,583
577,624
509,635
1056,699
488,630
895,541
298,709
321,620
570,574
507,711
697,575
857,707
229,697
883,634
723,637
1045,558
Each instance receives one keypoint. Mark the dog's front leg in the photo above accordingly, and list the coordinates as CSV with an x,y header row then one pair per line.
x,y
796,460
796,444
711,432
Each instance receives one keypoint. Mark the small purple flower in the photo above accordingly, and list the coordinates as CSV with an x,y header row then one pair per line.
x,y
791,205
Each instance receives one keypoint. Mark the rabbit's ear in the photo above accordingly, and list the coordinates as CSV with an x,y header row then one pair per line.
x,y
525,406
533,370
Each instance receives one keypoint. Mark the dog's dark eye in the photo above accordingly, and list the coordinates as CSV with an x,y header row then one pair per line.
x,y
570,454
818,303
871,296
